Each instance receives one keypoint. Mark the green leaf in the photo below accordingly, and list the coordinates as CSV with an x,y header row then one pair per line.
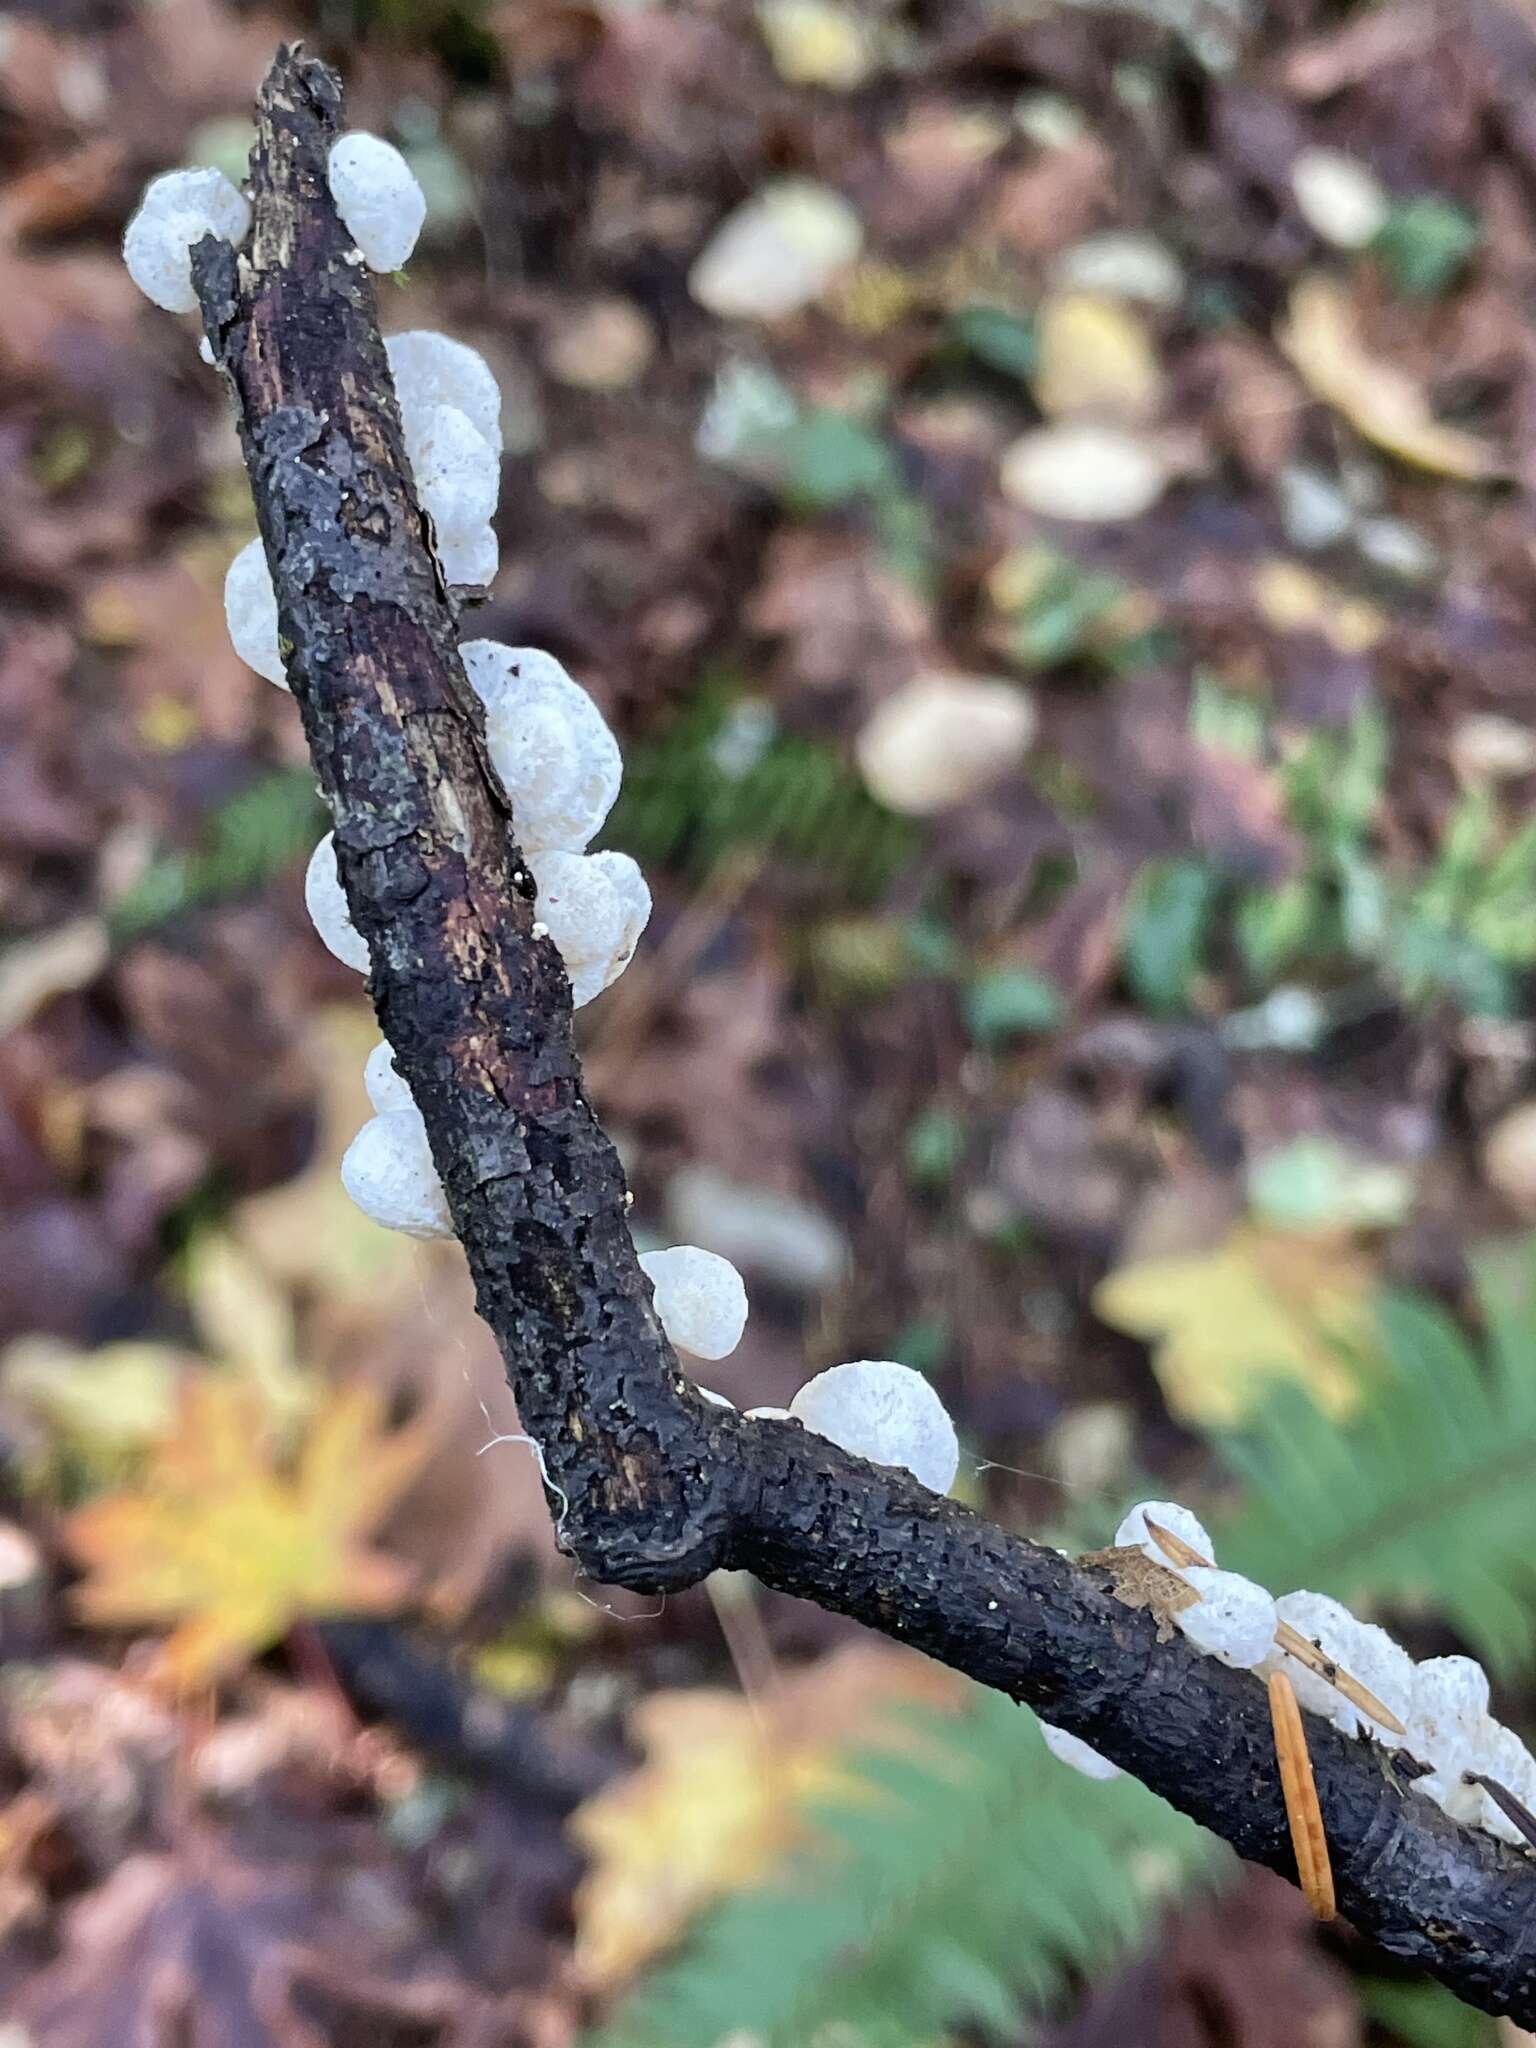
x,y
1425,2015
832,460
1062,615
1426,243
1275,925
1003,341
1314,1183
1008,1002
935,1147
1166,924
922,1343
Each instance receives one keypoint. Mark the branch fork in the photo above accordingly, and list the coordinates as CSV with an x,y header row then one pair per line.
x,y
652,1487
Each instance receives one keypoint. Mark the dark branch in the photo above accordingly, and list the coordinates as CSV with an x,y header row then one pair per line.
x,y
651,1488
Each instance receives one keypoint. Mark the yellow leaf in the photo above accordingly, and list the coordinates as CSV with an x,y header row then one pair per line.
x,y
1264,1306
722,1794
1295,600
309,1232
815,42
220,1540
99,1408
1095,357
1379,400
247,1320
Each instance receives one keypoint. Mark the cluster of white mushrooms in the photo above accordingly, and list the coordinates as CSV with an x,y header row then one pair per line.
x,y
555,754
561,767
1440,1703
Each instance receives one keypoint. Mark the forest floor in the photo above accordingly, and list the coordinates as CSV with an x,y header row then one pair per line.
x,y
1104,1075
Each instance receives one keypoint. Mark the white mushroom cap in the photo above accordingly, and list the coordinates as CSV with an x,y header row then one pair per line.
x,y
385,1088
1133,1533
1500,1754
469,557
1335,1631
1072,1750
250,608
1386,1668
457,471
550,744
884,1412
433,369
594,906
388,1171
381,205
326,902
1233,1620
177,210
1445,1730
700,1298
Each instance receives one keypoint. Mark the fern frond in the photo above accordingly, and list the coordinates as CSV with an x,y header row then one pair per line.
x,y
721,780
974,1877
250,838
1427,1498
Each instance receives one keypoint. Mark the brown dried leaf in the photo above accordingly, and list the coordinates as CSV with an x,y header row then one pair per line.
x,y
1322,339
1137,1580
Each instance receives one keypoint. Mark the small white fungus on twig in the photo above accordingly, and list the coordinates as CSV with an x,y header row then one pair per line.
x,y
550,744
1232,1621
700,1298
380,202
884,1412
250,611
388,1171
326,902
178,209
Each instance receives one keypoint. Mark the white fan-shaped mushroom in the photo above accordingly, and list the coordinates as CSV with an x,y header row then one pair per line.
x,y
885,1412
1386,1669
250,609
388,1171
1335,1631
381,205
326,902
1232,1621
1499,1754
457,471
594,907
177,210
384,1086
1133,1532
550,744
1445,1730
469,557
1072,1750
433,369
700,1298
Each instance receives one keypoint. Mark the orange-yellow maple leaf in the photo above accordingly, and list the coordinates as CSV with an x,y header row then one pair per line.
x,y
232,1548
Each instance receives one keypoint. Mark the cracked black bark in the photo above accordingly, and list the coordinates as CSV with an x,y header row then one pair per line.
x,y
651,1488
